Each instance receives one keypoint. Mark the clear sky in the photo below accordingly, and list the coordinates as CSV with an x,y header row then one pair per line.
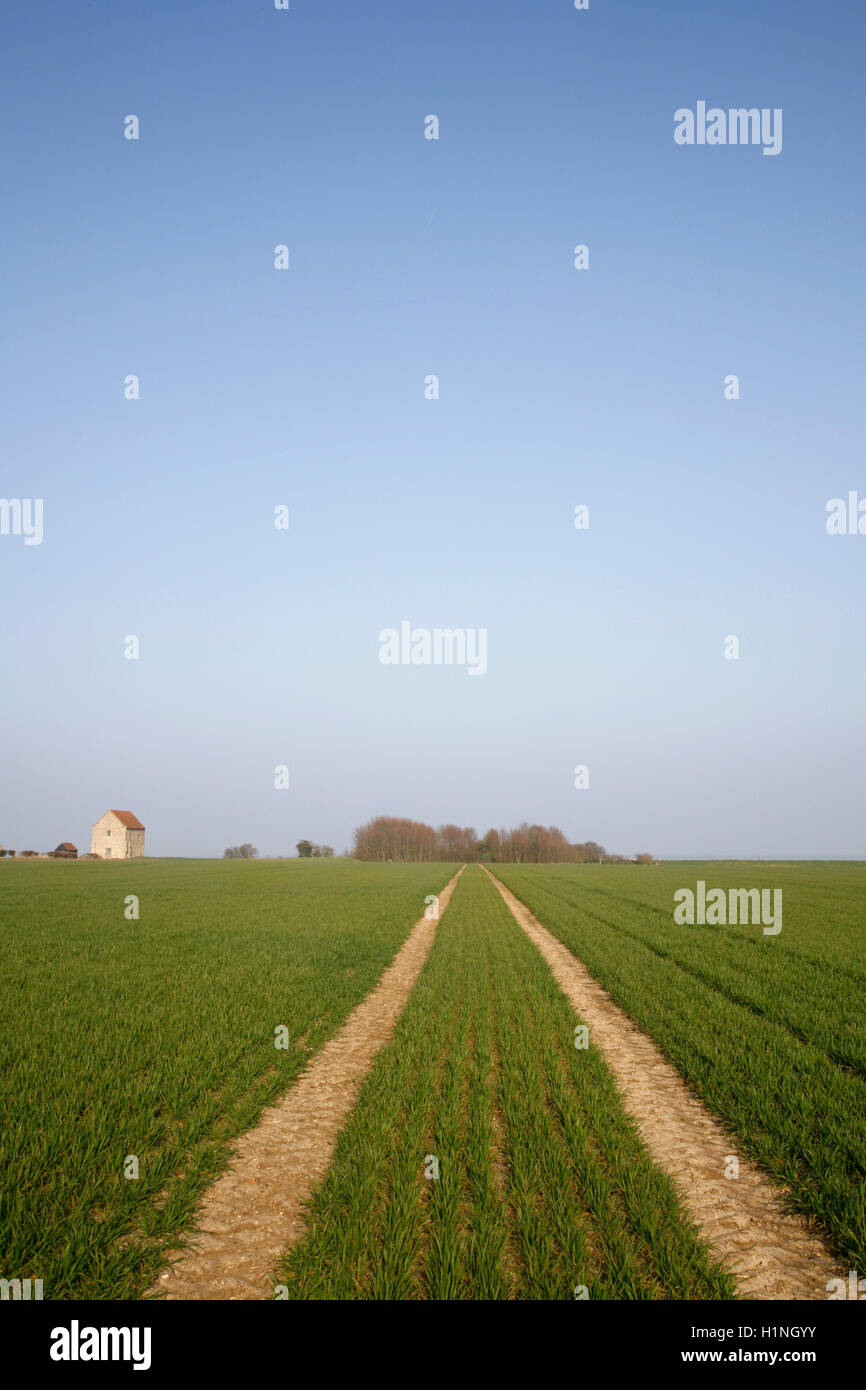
x,y
558,387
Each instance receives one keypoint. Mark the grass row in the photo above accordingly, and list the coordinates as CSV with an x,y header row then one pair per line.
x,y
155,1038
769,1031
543,1185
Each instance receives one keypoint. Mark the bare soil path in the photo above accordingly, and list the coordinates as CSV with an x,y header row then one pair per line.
x,y
771,1253
254,1210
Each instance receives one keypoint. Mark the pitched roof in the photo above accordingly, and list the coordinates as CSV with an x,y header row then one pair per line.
x,y
66,844
128,819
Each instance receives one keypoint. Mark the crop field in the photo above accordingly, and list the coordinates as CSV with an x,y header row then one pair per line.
x,y
770,1030
540,1183
152,1010
155,1037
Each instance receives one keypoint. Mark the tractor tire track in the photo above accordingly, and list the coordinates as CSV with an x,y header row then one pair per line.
x,y
771,1253
255,1209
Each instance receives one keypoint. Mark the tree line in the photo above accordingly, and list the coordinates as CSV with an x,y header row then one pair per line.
x,y
306,850
391,838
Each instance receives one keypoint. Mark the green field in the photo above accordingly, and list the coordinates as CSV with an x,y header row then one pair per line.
x,y
769,1030
156,1038
543,1184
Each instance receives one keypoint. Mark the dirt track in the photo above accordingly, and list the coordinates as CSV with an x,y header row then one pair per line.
x,y
771,1253
253,1211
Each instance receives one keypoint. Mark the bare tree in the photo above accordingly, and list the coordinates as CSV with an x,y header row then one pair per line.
x,y
390,839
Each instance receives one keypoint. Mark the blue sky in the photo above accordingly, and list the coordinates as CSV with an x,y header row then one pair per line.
x,y
305,387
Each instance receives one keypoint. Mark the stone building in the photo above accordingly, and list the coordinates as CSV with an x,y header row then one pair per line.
x,y
118,835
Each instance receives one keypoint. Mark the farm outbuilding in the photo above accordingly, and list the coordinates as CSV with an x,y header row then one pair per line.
x,y
66,847
118,835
